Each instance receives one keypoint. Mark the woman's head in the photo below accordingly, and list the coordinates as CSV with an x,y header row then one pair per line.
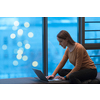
x,y
64,36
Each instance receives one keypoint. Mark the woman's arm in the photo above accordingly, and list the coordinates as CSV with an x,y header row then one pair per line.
x,y
62,63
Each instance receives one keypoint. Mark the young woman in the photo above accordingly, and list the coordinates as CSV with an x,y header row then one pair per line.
x,y
84,67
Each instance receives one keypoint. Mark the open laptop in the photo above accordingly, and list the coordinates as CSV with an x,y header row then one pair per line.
x,y
43,78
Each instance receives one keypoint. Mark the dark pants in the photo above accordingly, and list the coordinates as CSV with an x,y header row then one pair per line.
x,y
79,76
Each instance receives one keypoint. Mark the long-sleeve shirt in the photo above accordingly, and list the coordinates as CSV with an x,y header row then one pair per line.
x,y
78,57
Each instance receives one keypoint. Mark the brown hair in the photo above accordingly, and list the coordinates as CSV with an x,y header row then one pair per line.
x,y
64,34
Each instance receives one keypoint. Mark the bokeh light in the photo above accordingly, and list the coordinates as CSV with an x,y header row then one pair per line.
x,y
19,44
25,58
35,63
30,34
16,23
12,36
26,24
20,52
20,32
4,47
15,62
27,46
19,56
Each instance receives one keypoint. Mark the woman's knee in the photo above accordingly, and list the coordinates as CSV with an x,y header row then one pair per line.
x,y
64,72
60,72
71,76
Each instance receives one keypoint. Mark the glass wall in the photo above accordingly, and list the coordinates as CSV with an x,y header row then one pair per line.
x,y
21,46
55,51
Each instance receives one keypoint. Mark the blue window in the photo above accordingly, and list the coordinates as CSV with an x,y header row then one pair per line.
x,y
21,46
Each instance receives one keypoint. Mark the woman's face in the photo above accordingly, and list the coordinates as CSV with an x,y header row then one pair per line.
x,y
62,42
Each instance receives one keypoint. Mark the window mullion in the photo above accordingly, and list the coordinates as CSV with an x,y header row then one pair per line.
x,y
45,46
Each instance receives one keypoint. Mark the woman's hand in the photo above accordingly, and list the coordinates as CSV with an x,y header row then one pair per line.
x,y
50,77
59,77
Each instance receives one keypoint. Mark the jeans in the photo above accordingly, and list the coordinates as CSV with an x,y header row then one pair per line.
x,y
79,76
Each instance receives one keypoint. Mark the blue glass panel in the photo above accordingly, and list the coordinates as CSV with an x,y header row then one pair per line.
x,y
21,46
92,41
55,51
92,18
92,34
95,56
92,26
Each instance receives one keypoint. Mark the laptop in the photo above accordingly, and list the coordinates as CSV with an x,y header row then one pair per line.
x,y
43,78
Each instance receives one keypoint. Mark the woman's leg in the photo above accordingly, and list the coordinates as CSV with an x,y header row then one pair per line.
x,y
64,72
82,75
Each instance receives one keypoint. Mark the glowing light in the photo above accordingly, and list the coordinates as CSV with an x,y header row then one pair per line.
x,y
16,23
12,36
19,44
25,58
19,56
20,32
15,63
4,47
20,52
30,34
14,28
26,24
35,64
27,46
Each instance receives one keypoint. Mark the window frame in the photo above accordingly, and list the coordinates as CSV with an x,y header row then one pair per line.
x,y
81,33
